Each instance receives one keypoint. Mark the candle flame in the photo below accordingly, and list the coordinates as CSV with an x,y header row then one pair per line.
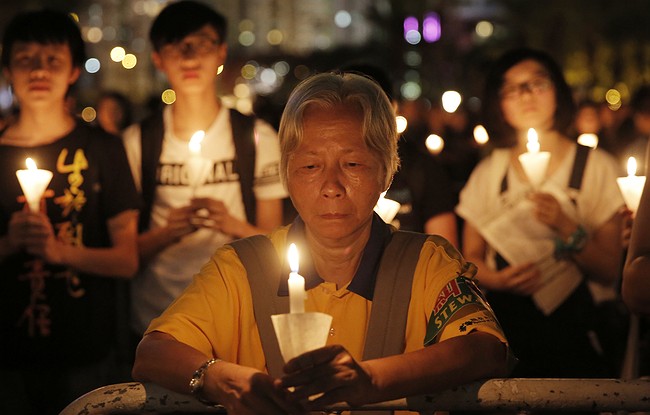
x,y
631,166
31,164
195,142
533,141
293,258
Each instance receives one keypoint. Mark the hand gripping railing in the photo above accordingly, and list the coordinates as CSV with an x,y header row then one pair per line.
x,y
597,395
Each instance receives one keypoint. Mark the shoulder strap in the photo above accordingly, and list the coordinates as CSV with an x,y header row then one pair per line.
x,y
263,269
390,302
243,134
152,132
385,335
578,169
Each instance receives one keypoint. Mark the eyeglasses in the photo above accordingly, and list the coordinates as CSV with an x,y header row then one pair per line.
x,y
199,45
535,86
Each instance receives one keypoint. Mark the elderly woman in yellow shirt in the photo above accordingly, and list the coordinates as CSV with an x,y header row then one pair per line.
x,y
339,153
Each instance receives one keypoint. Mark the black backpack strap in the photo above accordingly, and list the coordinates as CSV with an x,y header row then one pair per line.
x,y
390,302
263,269
243,134
152,132
578,169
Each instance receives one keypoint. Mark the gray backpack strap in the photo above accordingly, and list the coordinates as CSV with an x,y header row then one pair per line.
x,y
390,302
263,269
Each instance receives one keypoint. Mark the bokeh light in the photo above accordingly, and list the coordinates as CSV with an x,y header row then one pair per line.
x,y
249,71
411,90
246,38
88,114
484,29
129,61
281,68
343,19
117,54
481,135
431,29
94,35
168,96
241,90
274,37
451,101
401,123
92,65
434,144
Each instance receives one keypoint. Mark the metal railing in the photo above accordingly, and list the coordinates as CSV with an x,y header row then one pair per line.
x,y
508,395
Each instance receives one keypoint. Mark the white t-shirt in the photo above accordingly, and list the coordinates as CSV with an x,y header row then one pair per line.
x,y
597,201
167,275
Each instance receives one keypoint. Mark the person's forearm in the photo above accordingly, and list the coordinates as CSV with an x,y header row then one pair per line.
x,y
151,242
447,364
110,262
636,284
443,224
163,360
602,256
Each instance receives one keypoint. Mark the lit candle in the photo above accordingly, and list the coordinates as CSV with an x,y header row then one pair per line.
x,y
534,162
195,162
296,283
631,186
387,208
33,181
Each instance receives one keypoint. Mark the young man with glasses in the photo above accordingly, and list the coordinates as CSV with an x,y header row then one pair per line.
x,y
239,192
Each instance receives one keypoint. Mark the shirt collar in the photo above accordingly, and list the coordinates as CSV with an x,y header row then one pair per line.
x,y
363,282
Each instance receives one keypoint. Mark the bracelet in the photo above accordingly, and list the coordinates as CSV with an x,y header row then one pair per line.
x,y
573,245
196,383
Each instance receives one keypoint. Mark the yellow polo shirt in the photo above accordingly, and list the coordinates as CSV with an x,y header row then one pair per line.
x,y
215,313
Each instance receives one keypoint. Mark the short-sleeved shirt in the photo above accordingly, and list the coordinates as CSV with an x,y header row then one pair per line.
x,y
169,272
215,314
597,201
53,315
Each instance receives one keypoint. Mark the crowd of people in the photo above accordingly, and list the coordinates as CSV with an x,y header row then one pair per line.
x,y
499,275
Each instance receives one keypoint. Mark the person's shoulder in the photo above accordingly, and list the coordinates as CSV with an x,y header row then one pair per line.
x,y
132,132
495,164
96,136
603,158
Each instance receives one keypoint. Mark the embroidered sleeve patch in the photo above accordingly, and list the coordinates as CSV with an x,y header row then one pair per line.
x,y
457,294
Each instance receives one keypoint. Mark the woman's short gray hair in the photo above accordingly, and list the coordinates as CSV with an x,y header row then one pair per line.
x,y
331,89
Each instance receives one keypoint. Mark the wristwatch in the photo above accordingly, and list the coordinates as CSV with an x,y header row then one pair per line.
x,y
574,244
196,383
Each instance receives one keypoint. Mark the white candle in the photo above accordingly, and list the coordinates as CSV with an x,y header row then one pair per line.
x,y
296,283
534,162
195,162
387,208
33,181
631,186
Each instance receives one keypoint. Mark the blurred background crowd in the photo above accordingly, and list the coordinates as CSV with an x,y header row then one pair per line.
x,y
428,47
